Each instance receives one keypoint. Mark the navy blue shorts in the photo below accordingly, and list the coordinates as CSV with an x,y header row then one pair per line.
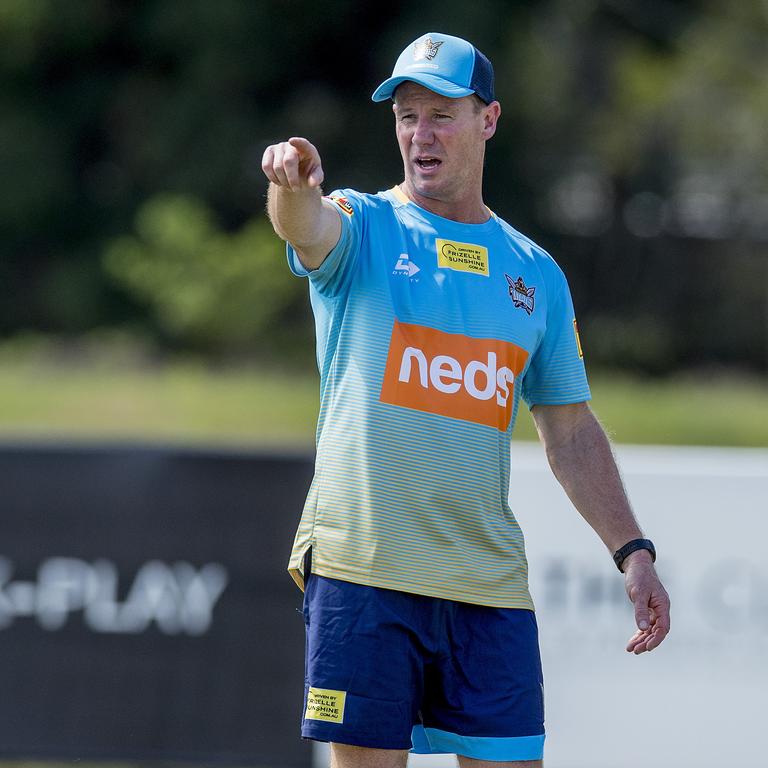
x,y
393,670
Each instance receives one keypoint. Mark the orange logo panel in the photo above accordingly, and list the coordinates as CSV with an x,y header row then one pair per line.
x,y
452,374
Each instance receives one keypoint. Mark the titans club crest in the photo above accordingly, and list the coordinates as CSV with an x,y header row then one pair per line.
x,y
521,295
426,49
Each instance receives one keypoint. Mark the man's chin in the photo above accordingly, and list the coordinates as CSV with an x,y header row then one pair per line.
x,y
429,176
427,188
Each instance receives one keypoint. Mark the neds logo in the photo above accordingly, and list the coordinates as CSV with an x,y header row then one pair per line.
x,y
452,374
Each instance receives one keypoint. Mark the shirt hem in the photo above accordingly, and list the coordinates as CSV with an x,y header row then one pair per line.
x,y
525,603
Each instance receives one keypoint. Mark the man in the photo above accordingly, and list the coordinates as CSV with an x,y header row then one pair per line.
x,y
433,318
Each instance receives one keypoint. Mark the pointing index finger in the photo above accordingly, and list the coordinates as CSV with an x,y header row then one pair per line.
x,y
302,145
310,161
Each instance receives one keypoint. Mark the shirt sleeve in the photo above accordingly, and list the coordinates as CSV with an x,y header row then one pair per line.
x,y
333,276
556,375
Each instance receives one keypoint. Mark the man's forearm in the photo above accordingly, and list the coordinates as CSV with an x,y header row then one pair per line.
x,y
302,219
295,216
294,200
582,460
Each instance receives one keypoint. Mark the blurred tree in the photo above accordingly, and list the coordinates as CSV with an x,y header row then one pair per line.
x,y
631,145
206,289
648,172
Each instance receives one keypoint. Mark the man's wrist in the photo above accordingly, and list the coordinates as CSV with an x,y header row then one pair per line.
x,y
623,556
639,555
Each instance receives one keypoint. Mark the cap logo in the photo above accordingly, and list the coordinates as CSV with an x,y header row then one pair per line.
x,y
426,49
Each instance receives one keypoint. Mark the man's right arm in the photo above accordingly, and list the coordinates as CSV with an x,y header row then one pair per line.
x,y
295,205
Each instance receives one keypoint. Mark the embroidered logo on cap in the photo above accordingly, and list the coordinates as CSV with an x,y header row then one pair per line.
x,y
426,49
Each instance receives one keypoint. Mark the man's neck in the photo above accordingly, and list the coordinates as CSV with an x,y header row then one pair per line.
x,y
471,210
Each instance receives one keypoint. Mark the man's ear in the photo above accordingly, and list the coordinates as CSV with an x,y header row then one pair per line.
x,y
491,116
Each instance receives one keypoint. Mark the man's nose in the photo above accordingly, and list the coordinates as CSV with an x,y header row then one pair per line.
x,y
422,132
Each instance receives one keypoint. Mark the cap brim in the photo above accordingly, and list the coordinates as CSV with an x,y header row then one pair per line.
x,y
433,82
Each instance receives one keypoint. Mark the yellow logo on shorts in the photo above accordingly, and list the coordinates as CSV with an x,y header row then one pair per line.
x,y
463,257
323,704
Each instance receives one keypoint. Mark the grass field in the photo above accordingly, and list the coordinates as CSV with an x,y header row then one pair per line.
x,y
187,402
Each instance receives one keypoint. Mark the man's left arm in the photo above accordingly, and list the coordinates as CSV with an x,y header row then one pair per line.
x,y
582,461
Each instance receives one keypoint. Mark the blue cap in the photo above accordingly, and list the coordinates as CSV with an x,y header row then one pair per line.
x,y
445,64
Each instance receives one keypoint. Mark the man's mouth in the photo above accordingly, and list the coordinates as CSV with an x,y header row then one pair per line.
x,y
427,162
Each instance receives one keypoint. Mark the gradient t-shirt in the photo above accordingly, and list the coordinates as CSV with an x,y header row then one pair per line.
x,y
429,331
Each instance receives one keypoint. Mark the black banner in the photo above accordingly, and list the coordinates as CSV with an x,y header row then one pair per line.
x,y
145,609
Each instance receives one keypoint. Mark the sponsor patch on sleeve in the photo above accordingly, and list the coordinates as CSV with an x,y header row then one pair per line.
x,y
343,203
578,338
324,704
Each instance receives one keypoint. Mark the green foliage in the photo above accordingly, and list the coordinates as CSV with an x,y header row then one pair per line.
x,y
205,288
20,21
632,134
33,156
639,343
709,96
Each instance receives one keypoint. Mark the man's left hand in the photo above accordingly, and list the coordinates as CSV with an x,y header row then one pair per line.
x,y
650,600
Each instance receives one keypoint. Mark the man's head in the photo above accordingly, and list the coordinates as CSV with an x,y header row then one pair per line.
x,y
445,64
445,111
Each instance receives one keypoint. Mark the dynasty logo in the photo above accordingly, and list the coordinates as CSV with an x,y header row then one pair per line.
x,y
405,266
452,375
521,295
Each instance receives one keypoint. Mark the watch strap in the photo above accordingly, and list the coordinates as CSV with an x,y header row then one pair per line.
x,y
632,546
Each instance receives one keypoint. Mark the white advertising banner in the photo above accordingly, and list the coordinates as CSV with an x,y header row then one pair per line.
x,y
699,699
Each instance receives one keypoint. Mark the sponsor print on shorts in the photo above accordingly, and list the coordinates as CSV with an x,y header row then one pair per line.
x,y
325,704
451,374
463,257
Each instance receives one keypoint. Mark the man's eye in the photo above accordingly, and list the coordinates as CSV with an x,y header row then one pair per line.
x,y
443,117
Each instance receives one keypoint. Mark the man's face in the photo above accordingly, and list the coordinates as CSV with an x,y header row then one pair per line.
x,y
442,141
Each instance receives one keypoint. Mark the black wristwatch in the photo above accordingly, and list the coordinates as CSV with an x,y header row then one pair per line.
x,y
632,546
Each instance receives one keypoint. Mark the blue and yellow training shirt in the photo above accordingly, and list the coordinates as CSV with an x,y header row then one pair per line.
x,y
429,331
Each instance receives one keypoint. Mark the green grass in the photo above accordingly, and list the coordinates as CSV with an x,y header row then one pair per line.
x,y
188,402
686,411
180,402
727,410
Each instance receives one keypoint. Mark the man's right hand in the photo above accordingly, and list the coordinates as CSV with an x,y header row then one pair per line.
x,y
297,211
294,164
